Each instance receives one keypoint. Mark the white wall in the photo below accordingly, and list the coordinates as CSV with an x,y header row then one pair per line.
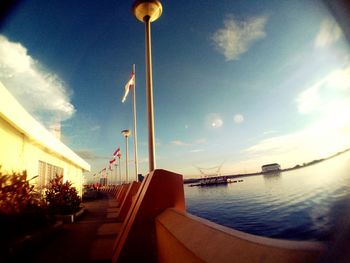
x,y
24,142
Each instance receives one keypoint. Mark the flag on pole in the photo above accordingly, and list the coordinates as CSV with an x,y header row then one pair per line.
x,y
116,153
111,162
128,85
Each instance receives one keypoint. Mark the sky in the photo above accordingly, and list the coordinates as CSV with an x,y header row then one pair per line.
x,y
237,84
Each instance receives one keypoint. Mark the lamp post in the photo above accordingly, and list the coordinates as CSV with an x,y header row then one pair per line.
x,y
120,169
126,134
148,11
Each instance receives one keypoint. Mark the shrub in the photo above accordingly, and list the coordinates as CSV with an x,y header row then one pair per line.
x,y
17,195
21,208
61,197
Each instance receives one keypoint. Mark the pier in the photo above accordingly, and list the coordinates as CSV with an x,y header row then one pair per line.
x,y
157,228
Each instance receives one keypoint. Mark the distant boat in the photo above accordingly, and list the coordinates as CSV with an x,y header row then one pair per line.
x,y
209,181
272,167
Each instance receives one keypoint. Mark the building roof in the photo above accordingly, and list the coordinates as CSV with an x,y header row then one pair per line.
x,y
271,164
17,116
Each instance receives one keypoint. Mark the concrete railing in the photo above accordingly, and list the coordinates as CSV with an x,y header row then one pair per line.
x,y
182,237
157,228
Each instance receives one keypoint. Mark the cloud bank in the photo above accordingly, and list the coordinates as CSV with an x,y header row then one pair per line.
x,y
179,143
40,92
236,37
319,95
329,134
328,34
91,155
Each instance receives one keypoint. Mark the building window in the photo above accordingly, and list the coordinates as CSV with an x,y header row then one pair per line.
x,y
47,172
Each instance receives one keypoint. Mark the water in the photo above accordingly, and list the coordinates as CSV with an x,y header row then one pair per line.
x,y
304,204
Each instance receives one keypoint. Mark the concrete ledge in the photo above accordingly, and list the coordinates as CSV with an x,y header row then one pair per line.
x,y
71,218
136,241
109,229
182,237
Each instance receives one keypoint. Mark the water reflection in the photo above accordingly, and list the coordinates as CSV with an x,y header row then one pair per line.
x,y
272,175
269,178
301,204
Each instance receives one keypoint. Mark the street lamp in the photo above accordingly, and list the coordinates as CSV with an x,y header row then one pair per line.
x,y
126,134
148,11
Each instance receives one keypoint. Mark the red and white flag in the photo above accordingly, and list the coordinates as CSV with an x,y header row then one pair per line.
x,y
116,153
111,162
129,85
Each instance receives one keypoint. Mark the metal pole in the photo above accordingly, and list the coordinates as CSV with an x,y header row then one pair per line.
x,y
149,94
135,131
126,160
120,172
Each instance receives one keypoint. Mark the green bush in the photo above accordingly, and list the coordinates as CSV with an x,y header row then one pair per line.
x,y
61,197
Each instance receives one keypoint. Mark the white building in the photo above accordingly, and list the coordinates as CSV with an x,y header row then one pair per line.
x,y
272,167
26,145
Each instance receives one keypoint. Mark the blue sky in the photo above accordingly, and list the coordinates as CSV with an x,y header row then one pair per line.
x,y
236,83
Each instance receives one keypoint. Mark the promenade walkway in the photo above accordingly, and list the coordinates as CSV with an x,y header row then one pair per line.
x,y
85,240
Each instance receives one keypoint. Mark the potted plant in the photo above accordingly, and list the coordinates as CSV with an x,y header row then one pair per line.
x,y
62,198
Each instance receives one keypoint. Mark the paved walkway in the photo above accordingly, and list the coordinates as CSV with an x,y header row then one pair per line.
x,y
83,241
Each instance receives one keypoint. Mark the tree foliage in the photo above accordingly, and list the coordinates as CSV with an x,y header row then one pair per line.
x,y
17,195
61,197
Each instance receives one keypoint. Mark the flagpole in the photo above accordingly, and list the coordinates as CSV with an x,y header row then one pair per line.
x,y
120,171
113,175
135,130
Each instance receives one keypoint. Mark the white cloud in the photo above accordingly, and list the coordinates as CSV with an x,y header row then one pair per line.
x,y
201,141
269,132
309,99
238,118
196,150
330,133
319,140
323,92
95,128
179,143
90,155
42,93
236,37
328,34
329,97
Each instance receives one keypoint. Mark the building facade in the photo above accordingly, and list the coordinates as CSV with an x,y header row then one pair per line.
x,y
26,145
272,167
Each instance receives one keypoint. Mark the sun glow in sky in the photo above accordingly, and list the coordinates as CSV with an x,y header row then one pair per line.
x,y
254,84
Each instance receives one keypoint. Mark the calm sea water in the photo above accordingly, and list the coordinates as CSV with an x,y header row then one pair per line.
x,y
304,204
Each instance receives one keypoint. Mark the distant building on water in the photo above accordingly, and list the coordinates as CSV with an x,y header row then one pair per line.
x,y
272,167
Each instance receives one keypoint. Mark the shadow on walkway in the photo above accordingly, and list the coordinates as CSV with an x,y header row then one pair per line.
x,y
75,241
